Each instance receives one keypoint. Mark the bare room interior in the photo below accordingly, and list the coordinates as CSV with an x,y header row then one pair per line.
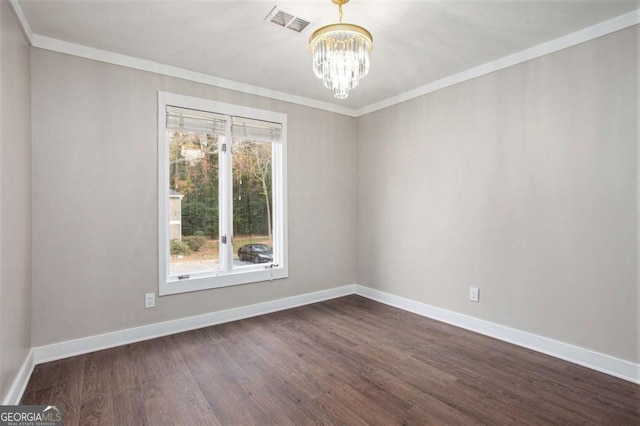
x,y
320,212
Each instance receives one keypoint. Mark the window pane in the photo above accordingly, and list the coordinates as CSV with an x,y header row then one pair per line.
x,y
193,203
252,203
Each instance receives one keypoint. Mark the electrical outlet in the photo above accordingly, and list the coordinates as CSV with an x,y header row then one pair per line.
x,y
149,300
474,294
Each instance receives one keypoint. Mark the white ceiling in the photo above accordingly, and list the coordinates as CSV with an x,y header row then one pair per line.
x,y
415,42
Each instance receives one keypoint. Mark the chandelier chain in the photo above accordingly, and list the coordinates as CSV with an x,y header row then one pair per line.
x,y
340,10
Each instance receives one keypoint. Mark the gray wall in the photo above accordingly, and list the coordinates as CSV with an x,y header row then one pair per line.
x,y
524,183
95,200
15,199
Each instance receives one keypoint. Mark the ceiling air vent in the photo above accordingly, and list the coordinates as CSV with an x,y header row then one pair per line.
x,y
287,20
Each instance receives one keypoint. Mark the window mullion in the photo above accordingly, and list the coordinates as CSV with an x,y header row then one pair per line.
x,y
276,179
226,200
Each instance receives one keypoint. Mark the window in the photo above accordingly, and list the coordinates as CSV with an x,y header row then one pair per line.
x,y
222,194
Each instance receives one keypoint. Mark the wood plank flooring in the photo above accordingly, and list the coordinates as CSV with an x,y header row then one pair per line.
x,y
345,361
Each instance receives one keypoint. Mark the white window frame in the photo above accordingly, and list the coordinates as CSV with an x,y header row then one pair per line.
x,y
227,276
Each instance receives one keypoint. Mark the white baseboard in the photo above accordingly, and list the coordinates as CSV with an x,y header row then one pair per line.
x,y
604,363
84,345
594,360
19,384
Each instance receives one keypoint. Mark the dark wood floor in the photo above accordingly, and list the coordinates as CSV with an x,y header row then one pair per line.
x,y
345,361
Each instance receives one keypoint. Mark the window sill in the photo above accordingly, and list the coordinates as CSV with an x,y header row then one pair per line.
x,y
221,280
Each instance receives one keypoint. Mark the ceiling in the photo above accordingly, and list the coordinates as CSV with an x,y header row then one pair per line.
x,y
415,42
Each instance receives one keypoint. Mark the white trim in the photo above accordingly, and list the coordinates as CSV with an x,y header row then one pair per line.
x,y
225,197
100,55
587,358
569,40
226,275
596,361
210,279
164,231
19,384
84,345
26,28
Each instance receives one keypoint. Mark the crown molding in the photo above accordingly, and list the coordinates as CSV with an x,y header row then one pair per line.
x,y
113,58
606,27
26,29
598,30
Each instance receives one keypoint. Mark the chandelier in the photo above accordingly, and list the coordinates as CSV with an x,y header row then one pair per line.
x,y
341,54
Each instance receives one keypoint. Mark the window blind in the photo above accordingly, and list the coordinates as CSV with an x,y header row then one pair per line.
x,y
191,120
246,128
